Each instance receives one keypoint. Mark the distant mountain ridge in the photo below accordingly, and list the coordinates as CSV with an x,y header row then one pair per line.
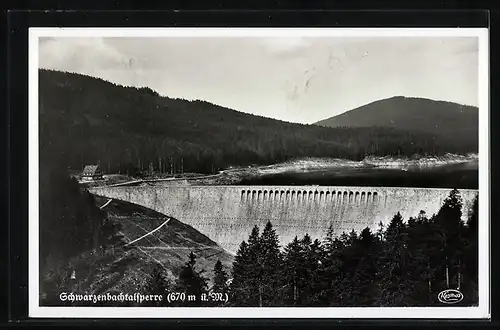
x,y
85,120
442,118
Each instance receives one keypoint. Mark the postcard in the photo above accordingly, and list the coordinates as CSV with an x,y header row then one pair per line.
x,y
259,173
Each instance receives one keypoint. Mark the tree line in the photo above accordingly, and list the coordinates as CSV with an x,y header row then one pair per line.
x,y
406,263
131,130
70,224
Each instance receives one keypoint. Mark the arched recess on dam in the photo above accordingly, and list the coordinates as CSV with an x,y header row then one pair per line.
x,y
227,214
297,194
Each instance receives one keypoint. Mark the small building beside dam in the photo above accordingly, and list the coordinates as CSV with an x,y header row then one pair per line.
x,y
227,214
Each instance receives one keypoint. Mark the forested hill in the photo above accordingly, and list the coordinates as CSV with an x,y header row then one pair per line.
x,y
442,118
84,120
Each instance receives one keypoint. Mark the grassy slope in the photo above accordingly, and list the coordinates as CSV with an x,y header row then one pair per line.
x,y
127,269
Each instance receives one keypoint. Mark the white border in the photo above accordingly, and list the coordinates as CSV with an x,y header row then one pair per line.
x,y
482,311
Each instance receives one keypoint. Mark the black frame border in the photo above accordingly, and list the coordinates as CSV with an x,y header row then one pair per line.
x,y
19,21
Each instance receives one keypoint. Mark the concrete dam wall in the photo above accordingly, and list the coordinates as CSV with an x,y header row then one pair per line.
x,y
227,214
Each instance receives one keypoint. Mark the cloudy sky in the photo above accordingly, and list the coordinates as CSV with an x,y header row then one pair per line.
x,y
294,79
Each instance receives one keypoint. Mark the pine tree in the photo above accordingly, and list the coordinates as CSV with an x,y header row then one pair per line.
x,y
292,263
270,286
247,272
471,254
347,260
365,250
220,278
420,267
257,270
328,273
157,284
240,289
192,282
312,253
302,274
450,229
220,282
329,240
254,268
380,231
392,265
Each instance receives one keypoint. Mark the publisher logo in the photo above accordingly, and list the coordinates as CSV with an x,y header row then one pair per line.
x,y
450,296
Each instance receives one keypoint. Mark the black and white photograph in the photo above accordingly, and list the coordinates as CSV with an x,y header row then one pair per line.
x,y
224,172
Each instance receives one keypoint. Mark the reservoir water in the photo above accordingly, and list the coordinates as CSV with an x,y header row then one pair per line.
x,y
457,175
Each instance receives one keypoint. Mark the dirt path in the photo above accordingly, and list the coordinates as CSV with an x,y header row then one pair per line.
x,y
149,233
